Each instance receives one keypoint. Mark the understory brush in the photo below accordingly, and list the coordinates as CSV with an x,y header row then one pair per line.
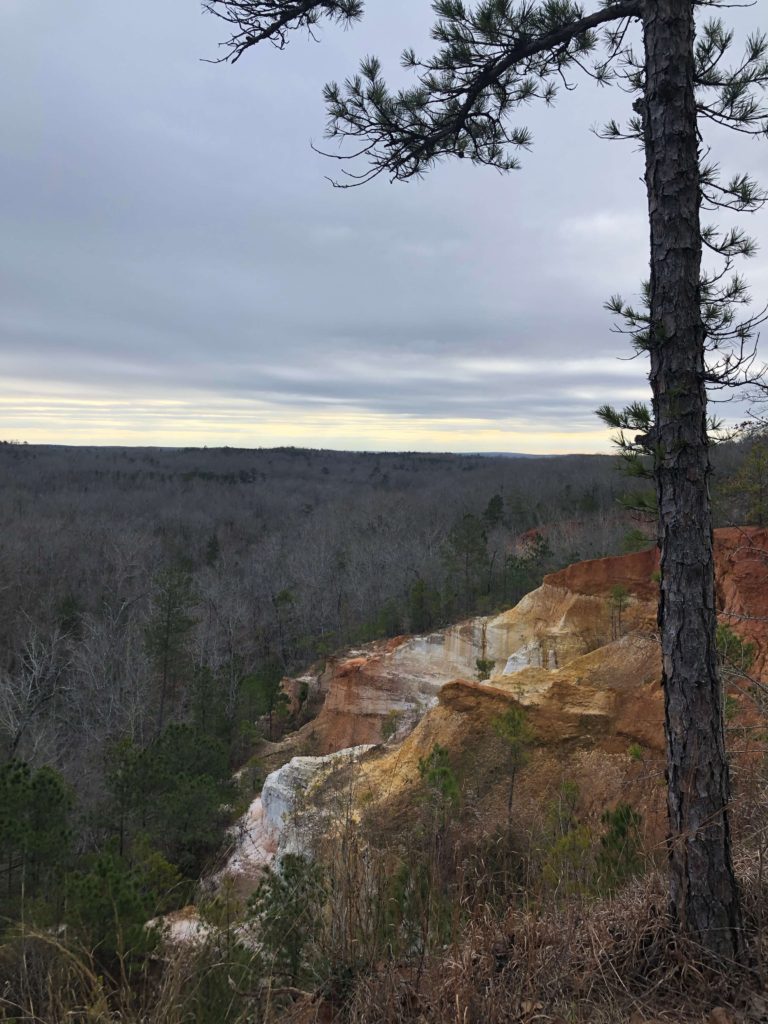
x,y
600,960
427,920
429,907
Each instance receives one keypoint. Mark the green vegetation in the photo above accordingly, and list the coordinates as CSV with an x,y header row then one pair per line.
x,y
147,666
110,899
484,668
735,654
161,820
635,540
390,725
35,836
262,697
579,861
748,487
173,792
286,914
619,855
440,782
518,736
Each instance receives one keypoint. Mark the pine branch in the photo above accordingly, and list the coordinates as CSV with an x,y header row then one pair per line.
x,y
493,59
257,21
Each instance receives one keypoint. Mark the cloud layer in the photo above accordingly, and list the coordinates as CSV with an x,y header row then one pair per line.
x,y
174,267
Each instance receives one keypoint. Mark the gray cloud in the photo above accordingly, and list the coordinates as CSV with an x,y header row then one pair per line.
x,y
166,232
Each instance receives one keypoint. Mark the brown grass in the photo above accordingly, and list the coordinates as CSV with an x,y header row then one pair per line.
x,y
605,961
599,963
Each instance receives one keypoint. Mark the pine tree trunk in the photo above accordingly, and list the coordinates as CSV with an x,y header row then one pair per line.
x,y
704,896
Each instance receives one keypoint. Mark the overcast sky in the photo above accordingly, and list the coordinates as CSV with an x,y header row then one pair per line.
x,y
175,268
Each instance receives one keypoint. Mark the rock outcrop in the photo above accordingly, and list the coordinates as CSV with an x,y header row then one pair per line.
x,y
277,822
388,686
580,654
579,610
287,793
393,681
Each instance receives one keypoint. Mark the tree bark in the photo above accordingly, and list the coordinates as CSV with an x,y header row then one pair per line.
x,y
704,896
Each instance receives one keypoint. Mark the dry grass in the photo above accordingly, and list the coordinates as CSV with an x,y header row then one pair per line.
x,y
600,963
603,962
580,961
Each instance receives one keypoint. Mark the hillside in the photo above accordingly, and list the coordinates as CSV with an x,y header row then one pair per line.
x,y
587,673
578,656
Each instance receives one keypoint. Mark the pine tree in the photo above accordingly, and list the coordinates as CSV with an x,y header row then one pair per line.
x,y
174,793
494,512
517,735
466,558
35,834
492,58
749,486
262,695
423,607
286,910
168,631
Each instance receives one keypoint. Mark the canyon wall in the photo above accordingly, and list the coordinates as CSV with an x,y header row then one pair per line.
x,y
580,654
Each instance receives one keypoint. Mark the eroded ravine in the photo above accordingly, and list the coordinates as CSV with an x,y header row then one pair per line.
x,y
579,654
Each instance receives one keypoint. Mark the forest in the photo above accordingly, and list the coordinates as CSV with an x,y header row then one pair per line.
x,y
142,586
153,599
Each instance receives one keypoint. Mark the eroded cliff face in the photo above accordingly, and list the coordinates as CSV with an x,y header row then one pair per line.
x,y
283,818
390,685
289,811
393,681
741,582
580,655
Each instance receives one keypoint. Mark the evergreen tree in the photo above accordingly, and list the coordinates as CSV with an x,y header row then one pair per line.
x,y
619,854
517,735
262,695
520,514
494,57
167,633
128,787
35,834
523,572
749,485
494,512
173,793
441,786
286,911
283,603
466,556
423,607
110,900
